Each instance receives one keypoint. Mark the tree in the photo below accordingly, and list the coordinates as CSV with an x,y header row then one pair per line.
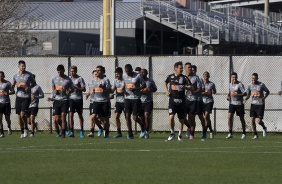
x,y
15,20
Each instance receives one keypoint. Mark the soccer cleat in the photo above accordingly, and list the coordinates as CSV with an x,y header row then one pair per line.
x,y
191,137
130,137
255,137
211,135
100,131
264,132
106,136
187,135
58,135
81,134
22,136
229,136
90,134
71,134
243,136
117,136
31,135
142,134
10,131
25,132
146,135
180,138
67,132
204,136
2,136
171,137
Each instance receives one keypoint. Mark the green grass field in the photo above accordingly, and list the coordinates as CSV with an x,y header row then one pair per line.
x,y
46,159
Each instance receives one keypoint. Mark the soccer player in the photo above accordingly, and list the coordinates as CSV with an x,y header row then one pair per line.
x,y
76,101
192,105
175,85
101,88
256,89
36,94
23,80
5,104
134,82
208,90
235,98
62,87
147,101
119,87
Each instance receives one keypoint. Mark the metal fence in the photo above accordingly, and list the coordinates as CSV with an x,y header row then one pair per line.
x,y
219,67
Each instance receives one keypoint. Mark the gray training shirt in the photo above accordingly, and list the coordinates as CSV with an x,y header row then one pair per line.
x,y
100,94
196,83
134,81
257,92
38,93
119,86
240,89
61,85
79,81
208,87
148,96
23,81
5,87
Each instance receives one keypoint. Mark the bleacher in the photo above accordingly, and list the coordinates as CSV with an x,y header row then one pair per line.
x,y
213,27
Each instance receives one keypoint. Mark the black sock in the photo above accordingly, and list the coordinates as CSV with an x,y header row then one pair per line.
x,y
147,129
262,124
106,132
63,131
130,132
9,126
230,131
1,131
58,131
205,129
71,129
244,131
256,133
22,130
100,127
92,130
81,128
192,132
210,127
32,132
119,131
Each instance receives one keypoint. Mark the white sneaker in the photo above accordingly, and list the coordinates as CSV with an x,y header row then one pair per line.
x,y
31,135
25,132
179,137
229,136
22,136
243,136
2,136
10,131
264,132
255,137
171,137
90,134
146,135
211,135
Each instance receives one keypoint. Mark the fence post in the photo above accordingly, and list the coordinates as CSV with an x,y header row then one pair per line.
x,y
214,120
151,77
116,62
51,119
230,67
69,65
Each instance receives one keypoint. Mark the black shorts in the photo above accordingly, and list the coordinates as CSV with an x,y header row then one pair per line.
x,y
53,109
76,106
132,106
90,108
207,107
22,104
32,111
61,106
239,109
191,107
119,107
146,107
5,108
100,108
176,106
257,111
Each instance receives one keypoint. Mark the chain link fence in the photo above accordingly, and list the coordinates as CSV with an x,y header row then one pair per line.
x,y
219,67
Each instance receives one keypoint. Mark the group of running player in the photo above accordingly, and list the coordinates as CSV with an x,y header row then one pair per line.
x,y
189,95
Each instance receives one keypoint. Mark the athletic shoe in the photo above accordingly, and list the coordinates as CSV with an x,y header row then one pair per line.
x,y
117,136
22,136
2,136
90,134
81,134
10,131
106,136
243,136
58,135
130,137
31,135
142,134
264,132
229,136
25,132
187,135
180,138
100,131
67,132
255,137
146,135
71,134
204,136
191,137
171,137
211,135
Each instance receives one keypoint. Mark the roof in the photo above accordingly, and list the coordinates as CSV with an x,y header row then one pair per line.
x,y
79,13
